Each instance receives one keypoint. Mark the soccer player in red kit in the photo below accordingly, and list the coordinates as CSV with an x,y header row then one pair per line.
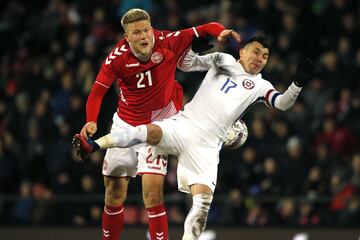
x,y
144,65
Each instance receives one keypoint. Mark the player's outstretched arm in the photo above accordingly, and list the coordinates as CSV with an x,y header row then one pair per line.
x,y
192,62
218,31
304,73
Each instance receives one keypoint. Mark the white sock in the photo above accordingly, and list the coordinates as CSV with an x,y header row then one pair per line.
x,y
195,221
123,138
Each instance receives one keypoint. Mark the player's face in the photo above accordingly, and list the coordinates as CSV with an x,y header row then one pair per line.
x,y
253,57
140,36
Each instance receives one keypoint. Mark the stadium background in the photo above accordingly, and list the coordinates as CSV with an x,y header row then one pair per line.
x,y
298,170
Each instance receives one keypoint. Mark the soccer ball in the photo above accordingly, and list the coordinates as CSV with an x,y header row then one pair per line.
x,y
236,136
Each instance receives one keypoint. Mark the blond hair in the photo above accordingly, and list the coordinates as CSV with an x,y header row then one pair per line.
x,y
134,15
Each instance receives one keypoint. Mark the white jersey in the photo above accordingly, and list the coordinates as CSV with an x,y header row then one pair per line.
x,y
195,135
227,91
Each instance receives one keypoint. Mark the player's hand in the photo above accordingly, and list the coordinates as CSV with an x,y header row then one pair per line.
x,y
89,129
304,72
201,44
227,33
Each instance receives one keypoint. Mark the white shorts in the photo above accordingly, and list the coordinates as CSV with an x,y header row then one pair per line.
x,y
139,159
198,156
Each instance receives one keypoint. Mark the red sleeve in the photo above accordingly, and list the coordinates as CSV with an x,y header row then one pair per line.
x,y
180,41
102,84
94,102
213,29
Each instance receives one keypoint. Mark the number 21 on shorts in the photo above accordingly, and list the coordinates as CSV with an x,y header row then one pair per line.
x,y
228,85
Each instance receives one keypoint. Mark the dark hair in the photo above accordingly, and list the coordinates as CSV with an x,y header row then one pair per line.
x,y
260,39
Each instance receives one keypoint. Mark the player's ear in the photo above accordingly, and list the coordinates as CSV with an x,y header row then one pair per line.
x,y
241,52
126,37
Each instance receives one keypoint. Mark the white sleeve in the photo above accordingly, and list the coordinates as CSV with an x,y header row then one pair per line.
x,y
283,101
191,61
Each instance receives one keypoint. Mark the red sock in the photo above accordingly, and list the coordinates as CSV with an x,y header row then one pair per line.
x,y
158,225
112,222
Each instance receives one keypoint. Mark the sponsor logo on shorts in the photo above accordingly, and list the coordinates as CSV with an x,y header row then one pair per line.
x,y
154,168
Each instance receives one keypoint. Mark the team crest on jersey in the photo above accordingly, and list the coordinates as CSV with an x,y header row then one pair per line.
x,y
248,84
156,57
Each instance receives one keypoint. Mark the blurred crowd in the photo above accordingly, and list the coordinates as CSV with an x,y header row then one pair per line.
x,y
297,168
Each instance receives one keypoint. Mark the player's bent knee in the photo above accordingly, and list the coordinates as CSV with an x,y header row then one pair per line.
x,y
154,134
153,189
115,191
153,197
115,197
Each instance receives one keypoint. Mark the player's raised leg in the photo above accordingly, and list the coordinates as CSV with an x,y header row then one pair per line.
x,y
123,138
83,147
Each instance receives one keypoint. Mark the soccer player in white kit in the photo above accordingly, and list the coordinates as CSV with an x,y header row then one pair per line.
x,y
196,134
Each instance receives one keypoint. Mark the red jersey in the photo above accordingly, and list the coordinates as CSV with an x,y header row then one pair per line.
x,y
148,90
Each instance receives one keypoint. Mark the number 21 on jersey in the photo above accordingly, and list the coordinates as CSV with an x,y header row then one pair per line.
x,y
145,79
228,85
